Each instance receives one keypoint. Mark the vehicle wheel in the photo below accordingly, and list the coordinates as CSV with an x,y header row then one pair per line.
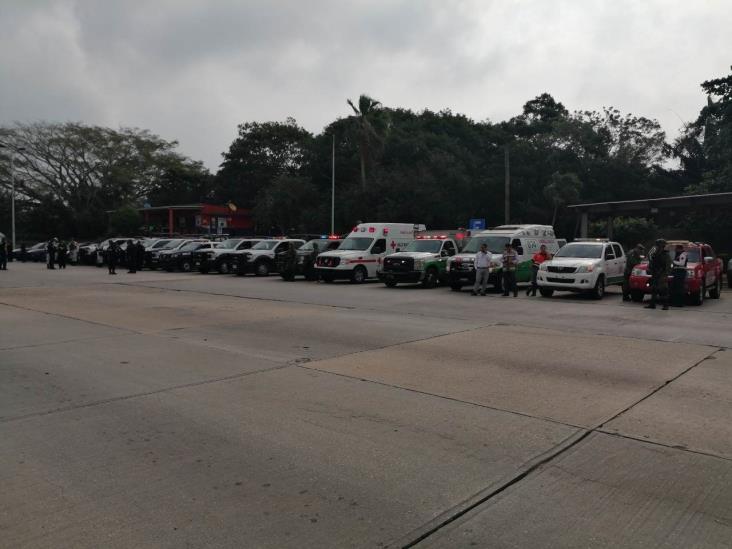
x,y
716,292
729,280
203,270
430,278
223,267
546,292
599,290
359,275
698,298
261,268
186,267
289,276
327,278
456,286
168,269
636,295
390,283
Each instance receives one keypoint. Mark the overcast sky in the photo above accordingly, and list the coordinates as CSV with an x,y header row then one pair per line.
x,y
191,70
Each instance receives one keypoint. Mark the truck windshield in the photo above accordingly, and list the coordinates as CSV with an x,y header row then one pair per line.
x,y
356,244
308,246
590,251
265,245
495,244
229,243
171,245
191,246
160,244
432,246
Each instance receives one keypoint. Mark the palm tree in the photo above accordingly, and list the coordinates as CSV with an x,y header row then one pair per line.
x,y
365,111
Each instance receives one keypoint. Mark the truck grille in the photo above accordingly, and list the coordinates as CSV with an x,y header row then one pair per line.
x,y
560,280
328,261
398,264
566,270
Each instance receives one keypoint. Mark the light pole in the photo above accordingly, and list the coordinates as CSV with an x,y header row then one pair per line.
x,y
332,191
12,189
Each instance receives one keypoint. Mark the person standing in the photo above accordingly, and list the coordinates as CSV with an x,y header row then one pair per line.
x,y
61,255
131,257
678,282
51,253
23,253
635,256
140,251
112,253
73,251
538,258
659,265
510,261
482,269
3,254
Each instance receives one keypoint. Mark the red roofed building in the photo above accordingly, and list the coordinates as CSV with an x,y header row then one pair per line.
x,y
197,219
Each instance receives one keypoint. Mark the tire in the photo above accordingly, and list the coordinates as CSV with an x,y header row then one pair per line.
x,y
327,278
716,292
456,286
637,296
223,267
431,278
599,291
729,280
287,276
546,292
359,275
390,283
698,298
261,268
186,266
203,270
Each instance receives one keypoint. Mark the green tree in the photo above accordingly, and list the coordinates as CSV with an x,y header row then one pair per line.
x,y
563,189
125,221
366,115
261,153
287,204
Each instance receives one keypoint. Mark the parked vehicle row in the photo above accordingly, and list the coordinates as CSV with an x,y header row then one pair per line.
x,y
403,253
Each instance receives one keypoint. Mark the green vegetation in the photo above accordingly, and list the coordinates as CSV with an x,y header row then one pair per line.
x,y
438,168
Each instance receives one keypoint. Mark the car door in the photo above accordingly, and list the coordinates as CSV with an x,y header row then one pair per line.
x,y
610,264
709,267
619,262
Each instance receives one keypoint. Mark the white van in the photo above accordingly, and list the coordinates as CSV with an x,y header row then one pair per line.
x,y
525,240
360,254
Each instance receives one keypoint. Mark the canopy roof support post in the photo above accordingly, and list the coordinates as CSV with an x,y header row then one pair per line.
x,y
583,224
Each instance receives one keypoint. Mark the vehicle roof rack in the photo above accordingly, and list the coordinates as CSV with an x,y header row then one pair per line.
x,y
591,240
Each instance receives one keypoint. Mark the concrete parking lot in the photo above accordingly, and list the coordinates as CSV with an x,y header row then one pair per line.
x,y
187,410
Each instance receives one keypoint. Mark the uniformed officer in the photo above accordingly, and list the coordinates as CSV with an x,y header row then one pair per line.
x,y
131,257
510,262
112,253
291,260
309,268
678,283
3,255
659,265
140,247
635,256
51,253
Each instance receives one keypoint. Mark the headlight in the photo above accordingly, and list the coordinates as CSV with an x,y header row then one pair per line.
x,y
543,267
301,259
638,272
418,264
585,269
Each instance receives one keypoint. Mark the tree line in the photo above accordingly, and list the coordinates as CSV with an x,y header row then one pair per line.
x,y
438,168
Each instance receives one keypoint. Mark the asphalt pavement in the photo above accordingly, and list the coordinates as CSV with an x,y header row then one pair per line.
x,y
184,410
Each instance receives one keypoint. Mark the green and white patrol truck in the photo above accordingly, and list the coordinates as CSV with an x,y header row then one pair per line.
x,y
423,261
525,240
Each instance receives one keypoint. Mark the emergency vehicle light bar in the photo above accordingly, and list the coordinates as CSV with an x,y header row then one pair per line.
x,y
429,237
591,240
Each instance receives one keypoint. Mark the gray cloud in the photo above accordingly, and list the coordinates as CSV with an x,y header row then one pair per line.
x,y
192,70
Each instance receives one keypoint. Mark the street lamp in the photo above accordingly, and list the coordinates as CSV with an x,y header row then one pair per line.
x,y
12,188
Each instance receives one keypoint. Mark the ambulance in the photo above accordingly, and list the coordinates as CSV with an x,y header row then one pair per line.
x,y
359,255
525,240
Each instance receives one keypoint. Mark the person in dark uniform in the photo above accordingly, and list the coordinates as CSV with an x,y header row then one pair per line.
x,y
131,257
635,256
112,253
3,255
678,282
659,265
23,253
309,267
51,253
61,255
140,249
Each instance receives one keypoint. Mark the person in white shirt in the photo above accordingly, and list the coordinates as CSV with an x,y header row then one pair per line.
x,y
678,283
482,267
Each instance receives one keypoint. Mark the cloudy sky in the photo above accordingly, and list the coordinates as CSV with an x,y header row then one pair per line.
x,y
191,70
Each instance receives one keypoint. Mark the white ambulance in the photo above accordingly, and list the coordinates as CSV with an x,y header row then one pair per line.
x,y
360,254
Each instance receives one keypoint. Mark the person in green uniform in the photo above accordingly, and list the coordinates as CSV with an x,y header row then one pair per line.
x,y
659,265
635,256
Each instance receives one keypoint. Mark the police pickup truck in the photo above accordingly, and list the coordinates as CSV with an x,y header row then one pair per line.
x,y
423,261
305,257
260,259
220,259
